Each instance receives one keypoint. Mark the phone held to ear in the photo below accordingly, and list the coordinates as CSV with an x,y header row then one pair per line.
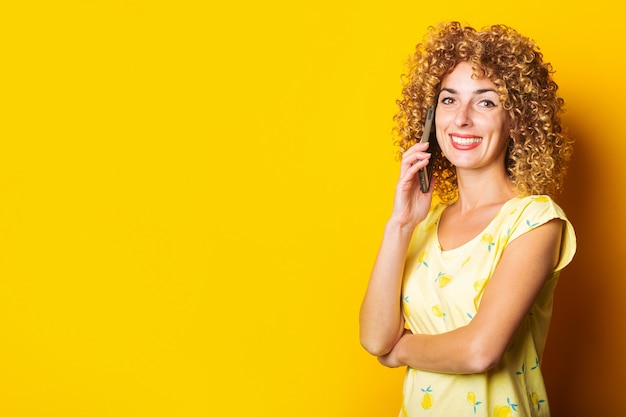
x,y
425,173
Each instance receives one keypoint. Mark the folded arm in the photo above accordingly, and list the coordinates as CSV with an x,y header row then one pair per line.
x,y
525,266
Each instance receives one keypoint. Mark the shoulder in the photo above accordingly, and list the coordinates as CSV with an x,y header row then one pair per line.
x,y
425,235
524,214
433,216
531,211
535,204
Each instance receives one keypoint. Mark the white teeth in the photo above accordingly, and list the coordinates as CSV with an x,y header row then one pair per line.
x,y
465,141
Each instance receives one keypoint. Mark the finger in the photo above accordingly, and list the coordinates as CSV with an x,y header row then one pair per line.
x,y
419,145
409,175
410,158
415,149
420,159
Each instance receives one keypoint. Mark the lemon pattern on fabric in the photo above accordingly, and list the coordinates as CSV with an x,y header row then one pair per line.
x,y
437,311
471,399
442,291
505,410
487,239
405,307
420,259
536,401
478,285
443,279
427,399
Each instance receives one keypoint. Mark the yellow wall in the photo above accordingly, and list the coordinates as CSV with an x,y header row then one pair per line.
x,y
192,195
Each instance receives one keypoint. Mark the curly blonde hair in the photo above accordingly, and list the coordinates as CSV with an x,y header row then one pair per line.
x,y
539,148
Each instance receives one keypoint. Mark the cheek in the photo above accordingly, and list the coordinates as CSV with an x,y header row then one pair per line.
x,y
506,125
440,137
505,133
506,130
442,121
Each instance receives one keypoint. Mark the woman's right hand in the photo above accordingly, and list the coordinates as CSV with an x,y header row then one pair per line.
x,y
411,205
381,320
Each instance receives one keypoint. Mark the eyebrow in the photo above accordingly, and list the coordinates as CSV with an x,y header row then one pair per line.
x,y
479,91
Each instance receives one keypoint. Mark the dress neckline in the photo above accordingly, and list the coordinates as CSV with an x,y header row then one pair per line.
x,y
478,236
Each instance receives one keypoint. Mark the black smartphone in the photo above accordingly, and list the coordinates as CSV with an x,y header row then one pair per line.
x,y
425,173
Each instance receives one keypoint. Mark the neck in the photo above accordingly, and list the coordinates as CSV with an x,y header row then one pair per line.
x,y
476,191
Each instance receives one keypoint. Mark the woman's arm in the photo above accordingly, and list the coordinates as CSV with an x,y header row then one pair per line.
x,y
525,266
380,319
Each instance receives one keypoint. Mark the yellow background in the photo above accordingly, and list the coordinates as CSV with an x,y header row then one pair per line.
x,y
192,194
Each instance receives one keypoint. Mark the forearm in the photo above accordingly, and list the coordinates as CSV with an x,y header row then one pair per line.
x,y
457,352
381,321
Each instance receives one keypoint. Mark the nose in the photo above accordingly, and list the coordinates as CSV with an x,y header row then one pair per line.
x,y
463,115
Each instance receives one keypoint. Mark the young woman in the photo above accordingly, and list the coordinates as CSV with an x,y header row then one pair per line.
x,y
461,290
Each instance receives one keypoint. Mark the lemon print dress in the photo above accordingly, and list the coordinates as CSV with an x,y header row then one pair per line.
x,y
441,291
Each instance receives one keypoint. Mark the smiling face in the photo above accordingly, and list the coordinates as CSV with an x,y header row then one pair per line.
x,y
472,126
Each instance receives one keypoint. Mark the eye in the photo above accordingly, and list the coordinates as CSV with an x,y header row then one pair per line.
x,y
486,103
447,100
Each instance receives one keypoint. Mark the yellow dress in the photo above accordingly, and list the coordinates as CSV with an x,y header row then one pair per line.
x,y
441,291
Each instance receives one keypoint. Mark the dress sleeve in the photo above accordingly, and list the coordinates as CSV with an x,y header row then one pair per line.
x,y
535,211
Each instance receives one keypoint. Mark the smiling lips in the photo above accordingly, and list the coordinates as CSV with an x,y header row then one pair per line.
x,y
465,142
